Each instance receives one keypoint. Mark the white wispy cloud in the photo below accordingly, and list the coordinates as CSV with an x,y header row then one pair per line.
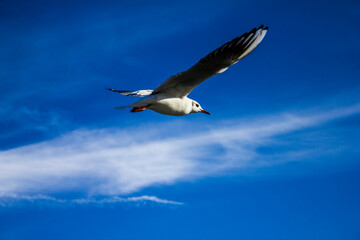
x,y
115,162
10,199
117,199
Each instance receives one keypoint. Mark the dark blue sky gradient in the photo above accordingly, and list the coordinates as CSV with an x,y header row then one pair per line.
x,y
58,57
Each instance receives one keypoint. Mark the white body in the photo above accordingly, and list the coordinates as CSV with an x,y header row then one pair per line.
x,y
167,105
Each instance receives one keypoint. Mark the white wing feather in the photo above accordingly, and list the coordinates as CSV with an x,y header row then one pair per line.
x,y
139,93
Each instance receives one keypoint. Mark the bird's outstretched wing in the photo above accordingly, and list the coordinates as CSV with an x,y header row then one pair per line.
x,y
181,84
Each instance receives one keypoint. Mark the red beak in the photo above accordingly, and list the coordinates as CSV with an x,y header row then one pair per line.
x,y
204,111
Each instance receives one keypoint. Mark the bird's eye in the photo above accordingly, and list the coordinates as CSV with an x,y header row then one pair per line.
x,y
197,105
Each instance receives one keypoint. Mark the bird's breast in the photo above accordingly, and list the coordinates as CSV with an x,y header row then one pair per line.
x,y
171,106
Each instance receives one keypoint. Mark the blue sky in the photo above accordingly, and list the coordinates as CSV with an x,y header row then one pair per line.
x,y
277,159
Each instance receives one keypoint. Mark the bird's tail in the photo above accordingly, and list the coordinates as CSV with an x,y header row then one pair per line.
x,y
139,93
122,107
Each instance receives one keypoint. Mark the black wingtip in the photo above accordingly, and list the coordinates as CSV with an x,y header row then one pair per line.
x,y
263,28
113,90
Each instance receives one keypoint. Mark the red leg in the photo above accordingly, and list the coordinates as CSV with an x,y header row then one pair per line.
x,y
139,109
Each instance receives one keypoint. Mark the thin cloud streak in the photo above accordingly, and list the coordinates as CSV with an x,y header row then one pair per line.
x,y
8,200
117,162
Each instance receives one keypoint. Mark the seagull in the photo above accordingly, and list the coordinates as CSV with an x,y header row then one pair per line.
x,y
170,98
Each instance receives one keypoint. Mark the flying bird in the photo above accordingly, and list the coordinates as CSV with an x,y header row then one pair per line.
x,y
170,98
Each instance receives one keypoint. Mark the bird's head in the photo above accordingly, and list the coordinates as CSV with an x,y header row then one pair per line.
x,y
197,108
